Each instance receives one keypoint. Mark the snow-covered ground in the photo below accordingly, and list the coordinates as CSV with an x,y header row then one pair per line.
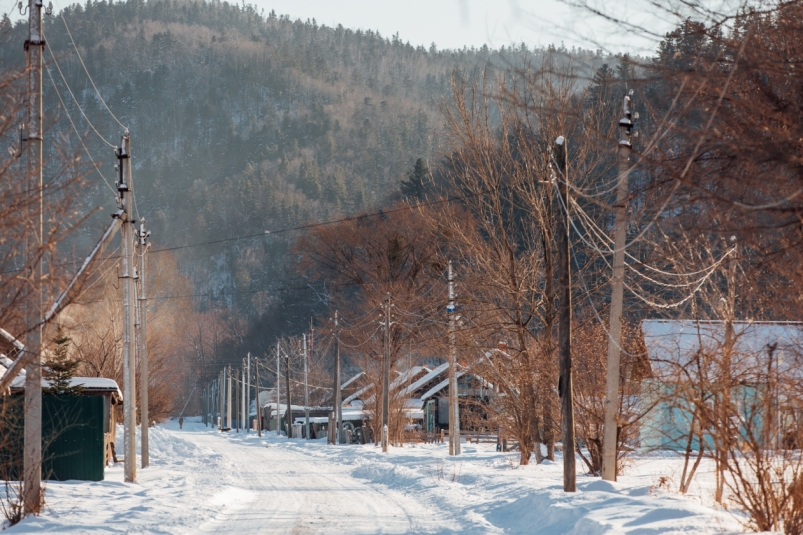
x,y
203,481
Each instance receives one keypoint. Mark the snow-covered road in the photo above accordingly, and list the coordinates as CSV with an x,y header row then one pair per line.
x,y
204,481
284,491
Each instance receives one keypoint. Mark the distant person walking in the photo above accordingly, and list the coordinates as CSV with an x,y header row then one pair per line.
x,y
180,422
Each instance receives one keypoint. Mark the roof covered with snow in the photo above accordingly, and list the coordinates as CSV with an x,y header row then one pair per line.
x,y
675,344
96,385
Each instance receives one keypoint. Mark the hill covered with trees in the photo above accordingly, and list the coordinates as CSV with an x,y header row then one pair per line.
x,y
243,122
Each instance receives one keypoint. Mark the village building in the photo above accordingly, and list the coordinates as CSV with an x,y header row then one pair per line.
x,y
761,361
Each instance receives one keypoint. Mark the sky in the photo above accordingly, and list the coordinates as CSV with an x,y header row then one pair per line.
x,y
458,23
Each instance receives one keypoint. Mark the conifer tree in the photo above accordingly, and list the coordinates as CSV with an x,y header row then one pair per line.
x,y
60,368
413,187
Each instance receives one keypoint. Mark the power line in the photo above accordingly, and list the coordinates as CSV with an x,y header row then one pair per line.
x,y
80,138
66,27
280,231
318,224
64,79
191,296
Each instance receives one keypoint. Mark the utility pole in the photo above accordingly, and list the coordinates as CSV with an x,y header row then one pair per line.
x,y
278,390
125,186
32,455
454,409
565,388
220,401
337,396
238,399
248,396
142,342
256,402
228,399
288,422
220,388
246,387
611,427
385,378
306,392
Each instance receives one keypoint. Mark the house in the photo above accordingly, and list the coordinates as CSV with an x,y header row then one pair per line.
x,y
689,358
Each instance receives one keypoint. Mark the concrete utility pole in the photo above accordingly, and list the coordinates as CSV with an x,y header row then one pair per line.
x,y
142,342
289,420
248,396
228,399
125,187
337,396
256,402
241,399
611,427
246,388
454,409
220,401
278,390
306,392
565,388
386,378
32,454
220,386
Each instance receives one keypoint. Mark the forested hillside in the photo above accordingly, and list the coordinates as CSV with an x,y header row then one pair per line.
x,y
243,122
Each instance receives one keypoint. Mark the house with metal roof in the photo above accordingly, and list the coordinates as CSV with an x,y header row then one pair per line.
x,y
764,360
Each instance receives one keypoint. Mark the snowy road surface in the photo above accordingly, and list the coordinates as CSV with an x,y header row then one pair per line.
x,y
283,491
202,481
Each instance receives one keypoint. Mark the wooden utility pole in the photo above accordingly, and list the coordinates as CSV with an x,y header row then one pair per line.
x,y
125,187
611,427
454,408
32,453
565,388
306,392
338,409
142,342
386,378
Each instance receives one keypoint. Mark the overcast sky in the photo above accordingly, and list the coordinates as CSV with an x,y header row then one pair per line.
x,y
458,23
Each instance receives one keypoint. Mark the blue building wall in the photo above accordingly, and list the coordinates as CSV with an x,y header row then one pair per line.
x,y
668,423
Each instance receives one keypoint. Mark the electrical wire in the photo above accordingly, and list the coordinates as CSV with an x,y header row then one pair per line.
x,y
706,271
634,292
56,63
80,138
318,224
87,73
601,234
604,237
285,230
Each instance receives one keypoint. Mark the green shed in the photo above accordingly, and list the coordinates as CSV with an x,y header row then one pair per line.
x,y
77,431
